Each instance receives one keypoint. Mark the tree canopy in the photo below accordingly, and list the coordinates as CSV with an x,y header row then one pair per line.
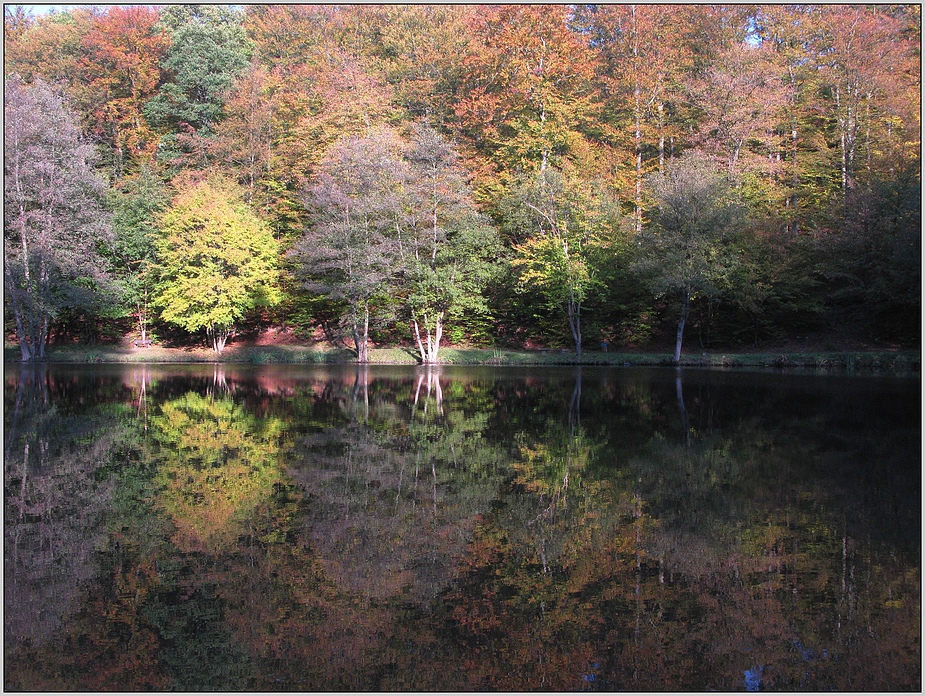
x,y
54,223
544,126
216,260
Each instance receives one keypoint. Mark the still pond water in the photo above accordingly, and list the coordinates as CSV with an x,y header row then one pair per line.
x,y
332,528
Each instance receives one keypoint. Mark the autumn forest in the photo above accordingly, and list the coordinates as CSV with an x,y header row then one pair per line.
x,y
690,177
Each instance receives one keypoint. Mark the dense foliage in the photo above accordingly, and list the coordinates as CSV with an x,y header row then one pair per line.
x,y
540,136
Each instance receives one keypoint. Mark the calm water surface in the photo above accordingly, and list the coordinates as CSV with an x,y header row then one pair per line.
x,y
328,528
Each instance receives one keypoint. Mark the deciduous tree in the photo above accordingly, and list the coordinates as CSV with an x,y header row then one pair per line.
x,y
646,51
53,221
447,250
561,222
687,249
527,86
216,260
136,202
123,50
349,252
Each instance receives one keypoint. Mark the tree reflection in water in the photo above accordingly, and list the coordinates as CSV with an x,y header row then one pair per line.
x,y
447,529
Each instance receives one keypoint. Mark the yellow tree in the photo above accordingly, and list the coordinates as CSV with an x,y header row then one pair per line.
x,y
564,223
216,260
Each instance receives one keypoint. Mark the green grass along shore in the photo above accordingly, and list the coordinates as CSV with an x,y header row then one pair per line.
x,y
885,361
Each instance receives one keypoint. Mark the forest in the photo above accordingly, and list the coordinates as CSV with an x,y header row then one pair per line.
x,y
691,177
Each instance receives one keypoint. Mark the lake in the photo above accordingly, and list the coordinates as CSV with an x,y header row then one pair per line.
x,y
334,528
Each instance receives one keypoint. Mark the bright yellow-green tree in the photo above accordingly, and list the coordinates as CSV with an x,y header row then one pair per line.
x,y
217,260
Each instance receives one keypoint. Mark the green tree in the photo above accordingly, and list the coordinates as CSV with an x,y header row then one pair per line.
x,y
447,250
135,203
209,49
563,224
53,222
217,260
687,250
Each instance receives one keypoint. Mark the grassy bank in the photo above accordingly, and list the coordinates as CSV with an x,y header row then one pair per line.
x,y
899,362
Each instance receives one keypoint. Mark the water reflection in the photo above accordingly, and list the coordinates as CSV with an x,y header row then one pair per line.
x,y
54,504
341,528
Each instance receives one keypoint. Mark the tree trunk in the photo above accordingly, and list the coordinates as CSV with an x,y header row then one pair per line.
x,y
685,312
661,134
574,324
420,342
438,336
219,336
24,347
795,183
361,336
429,343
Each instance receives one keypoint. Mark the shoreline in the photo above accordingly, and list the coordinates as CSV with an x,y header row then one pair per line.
x,y
844,361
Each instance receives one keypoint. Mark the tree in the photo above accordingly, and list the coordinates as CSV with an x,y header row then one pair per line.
x,y
563,222
865,56
687,250
122,52
739,94
53,222
244,139
208,50
216,260
136,202
418,48
527,88
803,154
646,50
396,215
349,252
50,47
447,250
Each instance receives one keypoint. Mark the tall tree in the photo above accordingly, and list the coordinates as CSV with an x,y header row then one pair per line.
x,y
866,56
560,222
123,50
136,202
316,88
49,47
418,49
216,260
16,21
447,250
53,222
348,253
244,140
687,251
802,157
645,52
740,93
527,89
